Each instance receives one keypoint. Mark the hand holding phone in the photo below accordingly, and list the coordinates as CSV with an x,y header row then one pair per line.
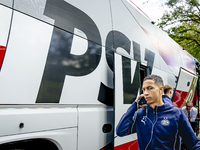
x,y
142,101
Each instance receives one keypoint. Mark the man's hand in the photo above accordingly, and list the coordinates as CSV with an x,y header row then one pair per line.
x,y
138,98
144,105
140,102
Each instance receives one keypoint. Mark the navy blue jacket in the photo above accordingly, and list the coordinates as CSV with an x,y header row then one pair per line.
x,y
158,128
166,99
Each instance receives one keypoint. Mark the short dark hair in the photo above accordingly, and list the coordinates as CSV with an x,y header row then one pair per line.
x,y
157,79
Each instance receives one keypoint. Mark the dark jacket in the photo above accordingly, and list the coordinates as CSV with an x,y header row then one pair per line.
x,y
166,99
158,128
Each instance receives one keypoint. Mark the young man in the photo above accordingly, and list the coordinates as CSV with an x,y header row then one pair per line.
x,y
168,93
159,124
168,90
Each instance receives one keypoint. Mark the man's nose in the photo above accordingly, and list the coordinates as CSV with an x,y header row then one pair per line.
x,y
145,92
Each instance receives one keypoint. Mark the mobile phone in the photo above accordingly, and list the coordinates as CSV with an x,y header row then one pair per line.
x,y
142,101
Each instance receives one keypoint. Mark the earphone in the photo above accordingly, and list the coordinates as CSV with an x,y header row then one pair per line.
x,y
153,124
132,130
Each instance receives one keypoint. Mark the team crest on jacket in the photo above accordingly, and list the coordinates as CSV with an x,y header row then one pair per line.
x,y
165,122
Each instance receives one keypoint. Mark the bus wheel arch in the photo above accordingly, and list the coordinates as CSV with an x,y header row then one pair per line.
x,y
30,144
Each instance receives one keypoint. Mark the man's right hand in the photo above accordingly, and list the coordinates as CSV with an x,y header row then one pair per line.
x,y
138,99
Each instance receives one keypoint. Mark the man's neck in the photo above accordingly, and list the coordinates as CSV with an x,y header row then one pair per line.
x,y
159,103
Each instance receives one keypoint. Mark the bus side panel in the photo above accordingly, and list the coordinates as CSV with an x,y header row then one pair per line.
x,y
32,46
36,119
65,138
5,17
120,107
24,60
88,16
93,127
7,2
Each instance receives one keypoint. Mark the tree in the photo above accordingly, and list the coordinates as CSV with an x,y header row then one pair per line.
x,y
182,23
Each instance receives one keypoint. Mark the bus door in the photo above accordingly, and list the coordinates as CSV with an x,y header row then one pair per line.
x,y
185,88
129,75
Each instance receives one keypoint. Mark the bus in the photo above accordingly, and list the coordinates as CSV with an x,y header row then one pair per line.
x,y
69,69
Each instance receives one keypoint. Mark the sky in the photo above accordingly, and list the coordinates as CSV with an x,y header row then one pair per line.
x,y
154,9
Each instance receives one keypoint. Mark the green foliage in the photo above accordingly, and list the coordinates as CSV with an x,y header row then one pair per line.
x,y
182,23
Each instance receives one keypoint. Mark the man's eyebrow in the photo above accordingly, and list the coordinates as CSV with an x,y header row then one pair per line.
x,y
147,87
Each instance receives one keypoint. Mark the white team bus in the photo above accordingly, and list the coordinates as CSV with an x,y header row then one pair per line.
x,y
69,69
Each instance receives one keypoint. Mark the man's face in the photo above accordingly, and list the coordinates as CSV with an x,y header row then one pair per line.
x,y
151,91
188,106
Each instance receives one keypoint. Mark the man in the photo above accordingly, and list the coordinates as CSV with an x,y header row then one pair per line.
x,y
191,113
168,90
159,124
168,93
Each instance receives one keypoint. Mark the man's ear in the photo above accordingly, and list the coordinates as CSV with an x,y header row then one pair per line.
x,y
161,89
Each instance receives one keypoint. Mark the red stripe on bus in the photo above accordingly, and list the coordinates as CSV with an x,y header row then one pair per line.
x,y
2,52
128,146
179,98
